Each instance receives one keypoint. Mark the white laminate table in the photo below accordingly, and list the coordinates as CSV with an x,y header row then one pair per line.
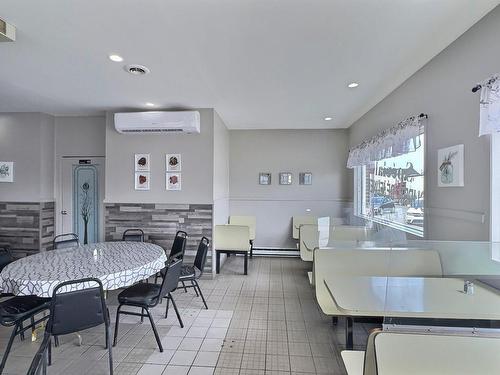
x,y
411,297
116,264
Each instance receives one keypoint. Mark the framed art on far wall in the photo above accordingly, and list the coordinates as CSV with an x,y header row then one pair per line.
x,y
173,162
142,163
264,178
142,181
451,166
173,181
6,171
305,178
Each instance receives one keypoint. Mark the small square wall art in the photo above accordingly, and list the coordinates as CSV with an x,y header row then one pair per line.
x,y
142,162
173,181
173,162
6,171
142,180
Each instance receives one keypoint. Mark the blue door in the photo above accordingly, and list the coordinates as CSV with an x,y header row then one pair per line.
x,y
86,203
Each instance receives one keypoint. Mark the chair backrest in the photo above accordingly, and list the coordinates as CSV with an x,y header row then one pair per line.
x,y
5,257
231,237
77,310
201,254
249,221
297,221
66,240
133,235
178,246
39,362
171,278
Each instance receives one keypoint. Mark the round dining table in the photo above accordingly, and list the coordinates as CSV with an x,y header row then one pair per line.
x,y
115,264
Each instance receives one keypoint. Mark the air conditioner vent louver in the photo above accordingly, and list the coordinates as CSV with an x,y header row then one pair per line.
x,y
158,122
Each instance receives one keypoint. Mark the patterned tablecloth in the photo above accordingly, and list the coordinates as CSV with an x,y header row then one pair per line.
x,y
116,264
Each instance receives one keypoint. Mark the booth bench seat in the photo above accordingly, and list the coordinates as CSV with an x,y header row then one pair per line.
x,y
395,353
231,239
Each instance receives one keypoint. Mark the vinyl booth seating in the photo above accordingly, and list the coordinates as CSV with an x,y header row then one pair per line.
x,y
231,239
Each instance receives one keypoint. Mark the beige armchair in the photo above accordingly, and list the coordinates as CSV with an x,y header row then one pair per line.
x,y
231,239
250,222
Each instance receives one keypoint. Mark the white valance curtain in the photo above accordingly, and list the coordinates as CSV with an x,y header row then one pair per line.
x,y
398,140
489,115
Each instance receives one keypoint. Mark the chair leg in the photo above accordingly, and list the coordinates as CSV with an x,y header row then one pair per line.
x,y
166,309
201,294
21,327
142,316
56,341
217,261
49,350
251,248
194,287
246,263
110,350
9,347
176,311
184,286
116,324
158,341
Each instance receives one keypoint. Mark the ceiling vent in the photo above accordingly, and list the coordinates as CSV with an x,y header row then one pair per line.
x,y
7,32
136,70
158,122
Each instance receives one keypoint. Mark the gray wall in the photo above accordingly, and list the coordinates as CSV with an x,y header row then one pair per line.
x,y
221,171
322,152
197,164
27,139
442,89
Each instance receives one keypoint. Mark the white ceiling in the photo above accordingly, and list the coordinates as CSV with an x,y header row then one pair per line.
x,y
259,63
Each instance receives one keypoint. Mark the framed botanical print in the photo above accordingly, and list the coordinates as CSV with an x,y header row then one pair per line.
x,y
6,171
264,178
142,162
305,178
285,178
173,181
451,166
142,180
173,162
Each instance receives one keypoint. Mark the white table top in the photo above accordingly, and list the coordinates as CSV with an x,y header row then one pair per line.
x,y
415,297
116,264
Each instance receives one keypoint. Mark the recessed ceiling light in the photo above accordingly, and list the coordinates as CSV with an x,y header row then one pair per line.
x,y
116,58
353,85
148,104
328,118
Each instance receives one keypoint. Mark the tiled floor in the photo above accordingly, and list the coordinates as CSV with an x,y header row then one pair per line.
x,y
266,323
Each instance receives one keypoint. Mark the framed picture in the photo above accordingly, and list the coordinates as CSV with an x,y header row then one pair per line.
x,y
142,162
142,180
305,178
450,166
173,162
264,178
6,171
285,178
173,181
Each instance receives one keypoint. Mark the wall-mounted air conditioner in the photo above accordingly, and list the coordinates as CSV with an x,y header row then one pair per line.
x,y
155,122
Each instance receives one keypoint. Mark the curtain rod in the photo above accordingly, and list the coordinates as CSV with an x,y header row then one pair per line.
x,y
488,82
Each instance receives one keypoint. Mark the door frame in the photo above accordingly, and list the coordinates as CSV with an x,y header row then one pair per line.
x,y
59,193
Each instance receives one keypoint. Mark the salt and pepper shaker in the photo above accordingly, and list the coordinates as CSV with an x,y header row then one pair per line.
x,y
468,287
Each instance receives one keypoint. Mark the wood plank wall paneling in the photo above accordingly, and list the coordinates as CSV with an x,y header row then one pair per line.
x,y
160,222
27,227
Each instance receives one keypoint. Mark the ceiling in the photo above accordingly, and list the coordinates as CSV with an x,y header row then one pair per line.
x,y
259,63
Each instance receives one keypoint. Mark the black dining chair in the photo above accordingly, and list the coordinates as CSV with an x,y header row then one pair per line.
x,y
177,250
73,310
133,235
40,360
14,312
66,240
193,272
147,296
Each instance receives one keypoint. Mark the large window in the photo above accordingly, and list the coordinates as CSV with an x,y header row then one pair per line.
x,y
390,191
